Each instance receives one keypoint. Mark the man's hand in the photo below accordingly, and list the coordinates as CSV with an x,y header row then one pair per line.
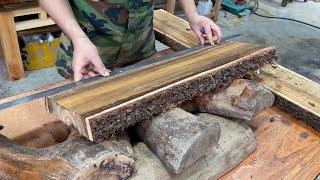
x,y
198,22
86,60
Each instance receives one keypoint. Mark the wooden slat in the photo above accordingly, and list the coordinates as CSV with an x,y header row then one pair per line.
x,y
296,94
35,23
10,46
27,11
9,2
165,26
118,102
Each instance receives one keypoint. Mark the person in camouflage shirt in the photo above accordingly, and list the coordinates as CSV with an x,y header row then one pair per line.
x,y
100,35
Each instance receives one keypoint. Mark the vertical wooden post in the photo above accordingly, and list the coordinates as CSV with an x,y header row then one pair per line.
x,y
171,4
216,9
10,46
43,14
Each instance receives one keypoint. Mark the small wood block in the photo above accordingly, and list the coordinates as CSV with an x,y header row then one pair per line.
x,y
105,106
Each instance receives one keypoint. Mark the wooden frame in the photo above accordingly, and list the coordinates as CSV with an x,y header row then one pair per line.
x,y
9,38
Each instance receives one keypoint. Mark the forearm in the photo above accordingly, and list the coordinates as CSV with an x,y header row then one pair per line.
x,y
189,8
60,11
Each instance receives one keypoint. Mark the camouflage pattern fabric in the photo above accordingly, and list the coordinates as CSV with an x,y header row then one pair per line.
x,y
122,30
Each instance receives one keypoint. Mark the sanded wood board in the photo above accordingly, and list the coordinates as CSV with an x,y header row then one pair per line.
x,y
294,93
114,103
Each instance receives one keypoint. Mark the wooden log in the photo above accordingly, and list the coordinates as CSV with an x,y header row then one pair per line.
x,y
236,142
294,93
75,158
179,138
148,165
114,103
243,99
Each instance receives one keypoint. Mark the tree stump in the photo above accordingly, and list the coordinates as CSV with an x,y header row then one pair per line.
x,y
77,157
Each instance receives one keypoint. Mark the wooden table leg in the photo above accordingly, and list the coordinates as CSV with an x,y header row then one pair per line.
x,y
10,46
216,9
171,5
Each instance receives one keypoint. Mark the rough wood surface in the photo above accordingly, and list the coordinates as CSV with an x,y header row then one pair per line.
x,y
179,138
10,46
149,167
74,158
243,99
236,142
286,149
294,93
114,103
35,115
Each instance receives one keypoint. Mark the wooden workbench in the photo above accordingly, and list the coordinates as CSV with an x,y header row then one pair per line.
x,y
286,147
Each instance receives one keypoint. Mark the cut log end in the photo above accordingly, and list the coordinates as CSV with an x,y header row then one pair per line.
x,y
179,138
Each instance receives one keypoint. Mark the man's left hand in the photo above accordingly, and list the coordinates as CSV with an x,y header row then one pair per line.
x,y
211,29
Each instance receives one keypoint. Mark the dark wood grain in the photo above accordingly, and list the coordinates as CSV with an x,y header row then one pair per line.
x,y
114,103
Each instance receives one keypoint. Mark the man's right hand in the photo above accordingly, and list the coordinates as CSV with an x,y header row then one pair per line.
x,y
86,60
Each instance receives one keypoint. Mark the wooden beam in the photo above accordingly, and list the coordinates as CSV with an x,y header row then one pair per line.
x,y
171,4
10,46
216,10
294,93
114,103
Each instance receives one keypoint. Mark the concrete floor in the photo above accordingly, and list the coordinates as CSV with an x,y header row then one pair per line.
x,y
298,45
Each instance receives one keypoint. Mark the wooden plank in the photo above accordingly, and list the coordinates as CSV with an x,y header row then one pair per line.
x,y
27,11
118,102
34,23
10,45
173,31
286,149
8,2
295,93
